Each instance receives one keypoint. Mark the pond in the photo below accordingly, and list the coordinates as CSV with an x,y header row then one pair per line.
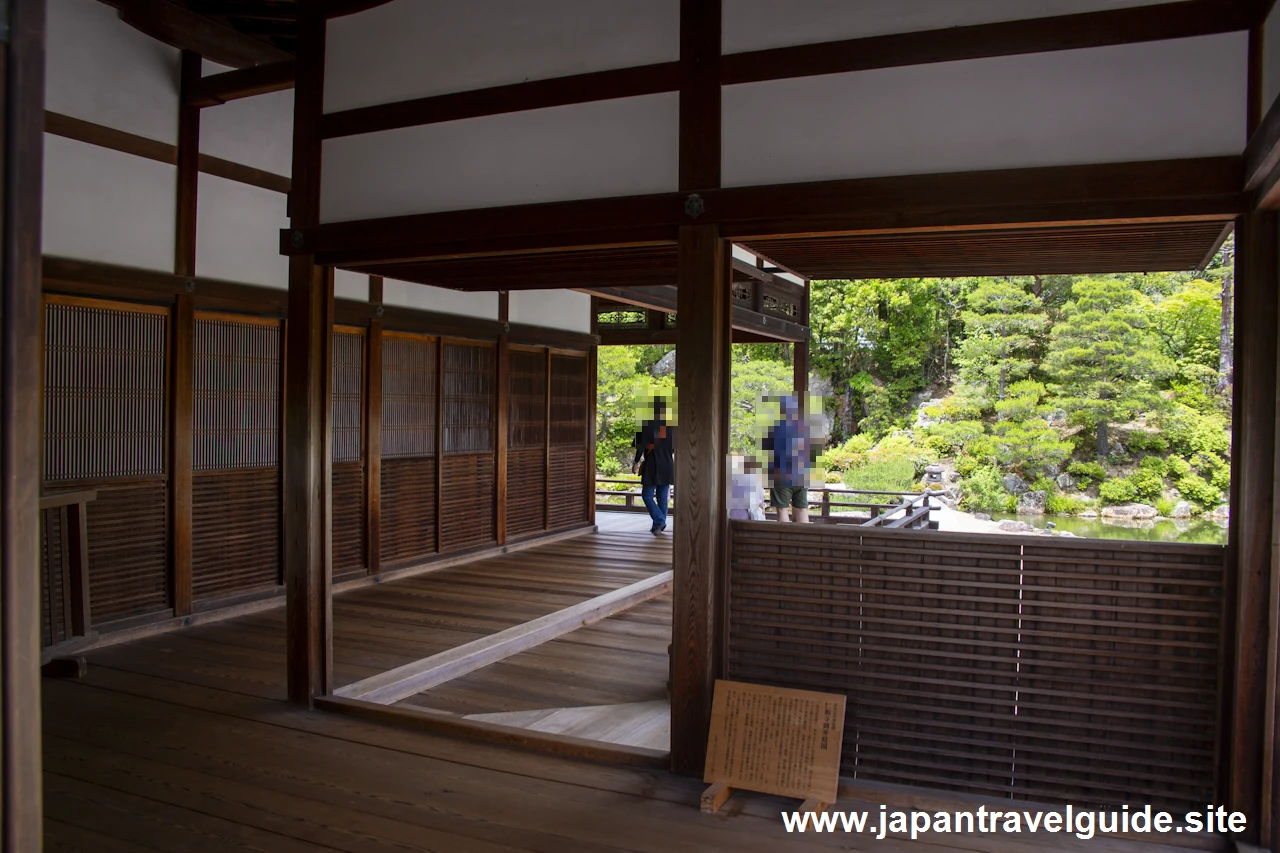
x,y
1193,530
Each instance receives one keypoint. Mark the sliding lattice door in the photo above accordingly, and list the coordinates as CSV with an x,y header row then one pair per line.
x,y
105,374
408,481
348,495
569,494
235,500
468,470
527,442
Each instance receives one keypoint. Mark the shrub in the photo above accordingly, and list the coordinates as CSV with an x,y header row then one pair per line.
x,y
1191,432
1044,484
984,491
1147,484
851,454
1087,472
1194,488
1121,490
1165,506
956,408
890,475
1177,467
948,438
1140,441
1155,464
1064,504
966,464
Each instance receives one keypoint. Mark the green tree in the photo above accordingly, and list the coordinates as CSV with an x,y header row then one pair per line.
x,y
1103,361
1002,330
1188,323
1022,438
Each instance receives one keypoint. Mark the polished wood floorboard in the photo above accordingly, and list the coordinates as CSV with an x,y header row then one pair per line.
x,y
183,743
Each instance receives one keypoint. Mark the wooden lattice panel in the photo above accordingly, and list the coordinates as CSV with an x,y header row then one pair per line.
x,y
348,519
128,549
526,491
408,522
468,416
104,387
526,443
467,498
570,495
408,396
347,396
1071,671
236,394
53,588
235,531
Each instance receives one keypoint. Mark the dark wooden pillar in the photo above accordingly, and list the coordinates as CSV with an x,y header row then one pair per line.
x,y
182,358
1250,600
184,255
308,377
502,401
22,147
702,377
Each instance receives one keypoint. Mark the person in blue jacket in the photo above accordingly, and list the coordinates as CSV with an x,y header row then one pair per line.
x,y
787,443
655,463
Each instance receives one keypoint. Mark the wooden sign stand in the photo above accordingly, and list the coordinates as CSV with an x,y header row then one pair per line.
x,y
775,741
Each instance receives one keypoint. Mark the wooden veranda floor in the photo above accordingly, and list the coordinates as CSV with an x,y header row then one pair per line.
x,y
183,742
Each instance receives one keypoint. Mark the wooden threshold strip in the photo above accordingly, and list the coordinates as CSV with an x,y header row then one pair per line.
x,y
405,681
439,722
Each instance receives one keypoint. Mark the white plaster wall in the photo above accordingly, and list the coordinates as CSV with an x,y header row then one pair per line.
x,y
351,285
627,146
417,48
1169,99
238,233
410,295
761,24
101,205
554,309
256,131
100,69
1270,60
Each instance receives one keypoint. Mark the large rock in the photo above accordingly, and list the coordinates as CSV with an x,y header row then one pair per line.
x,y
1032,502
1130,512
1182,510
1221,512
1013,484
923,420
982,516
665,366
1089,513
1016,527
1065,481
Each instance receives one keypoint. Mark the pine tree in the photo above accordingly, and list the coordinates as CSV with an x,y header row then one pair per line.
x,y
1002,328
1102,361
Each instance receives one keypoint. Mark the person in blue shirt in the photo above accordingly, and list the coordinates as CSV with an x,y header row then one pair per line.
x,y
655,448
787,443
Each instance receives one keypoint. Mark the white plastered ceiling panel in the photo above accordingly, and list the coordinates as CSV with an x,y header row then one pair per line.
x,y
419,48
102,205
763,24
1153,101
553,309
238,233
350,285
100,69
256,131
628,146
408,295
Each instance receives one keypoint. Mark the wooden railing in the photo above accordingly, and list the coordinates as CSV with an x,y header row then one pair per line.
x,y
64,537
895,509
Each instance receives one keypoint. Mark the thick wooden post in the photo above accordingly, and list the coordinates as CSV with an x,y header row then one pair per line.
x,y
1249,594
308,416
502,402
184,255
702,377
22,147
182,358
592,396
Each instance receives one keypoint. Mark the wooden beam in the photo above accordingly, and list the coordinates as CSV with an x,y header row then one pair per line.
x,y
1262,153
308,375
242,83
699,94
664,298
1203,187
184,262
182,358
1004,38
375,290
402,682
517,97
22,64
702,377
181,28
1258,271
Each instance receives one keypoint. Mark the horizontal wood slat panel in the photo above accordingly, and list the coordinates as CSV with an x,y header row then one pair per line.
x,y
235,531
526,490
128,549
348,519
569,496
467,516
1072,672
528,400
570,501
408,526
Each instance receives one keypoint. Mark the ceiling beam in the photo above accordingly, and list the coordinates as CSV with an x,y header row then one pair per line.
x,y
242,83
184,29
663,298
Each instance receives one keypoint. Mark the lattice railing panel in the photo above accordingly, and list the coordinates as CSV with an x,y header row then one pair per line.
x,y
236,396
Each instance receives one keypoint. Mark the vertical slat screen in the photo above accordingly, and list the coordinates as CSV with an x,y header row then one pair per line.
x,y
468,469
526,442
53,627
104,426
408,482
570,500
1077,671
348,453
236,410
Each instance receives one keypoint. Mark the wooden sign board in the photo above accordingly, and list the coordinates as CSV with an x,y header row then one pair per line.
x,y
775,740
